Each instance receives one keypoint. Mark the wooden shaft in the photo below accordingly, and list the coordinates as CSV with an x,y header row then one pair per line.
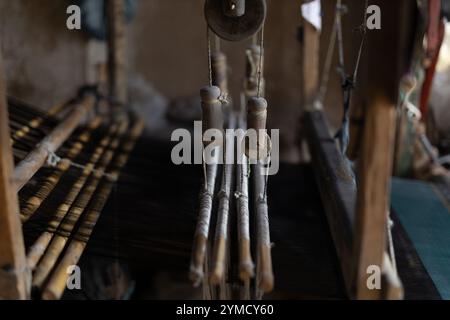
x,y
34,202
310,48
234,8
221,238
337,186
35,123
265,277
14,276
28,167
117,50
246,266
57,283
374,172
40,245
199,250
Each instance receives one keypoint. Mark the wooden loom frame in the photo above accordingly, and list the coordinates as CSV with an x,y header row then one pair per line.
x,y
357,217
15,276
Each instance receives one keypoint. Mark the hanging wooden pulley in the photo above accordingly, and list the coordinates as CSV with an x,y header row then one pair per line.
x,y
239,26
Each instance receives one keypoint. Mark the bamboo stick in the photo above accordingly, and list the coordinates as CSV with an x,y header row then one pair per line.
x,y
50,182
57,283
40,245
67,225
28,167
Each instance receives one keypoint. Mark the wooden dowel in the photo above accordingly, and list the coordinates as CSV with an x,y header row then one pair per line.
x,y
117,46
199,250
14,276
34,202
265,277
40,245
36,123
57,283
374,172
28,167
222,227
212,118
246,265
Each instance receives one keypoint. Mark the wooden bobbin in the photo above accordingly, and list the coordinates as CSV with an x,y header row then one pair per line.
x,y
256,120
234,8
212,116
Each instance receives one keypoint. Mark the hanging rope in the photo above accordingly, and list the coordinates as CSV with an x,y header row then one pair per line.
x,y
347,81
260,67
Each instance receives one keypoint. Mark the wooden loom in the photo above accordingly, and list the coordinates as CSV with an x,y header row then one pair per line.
x,y
86,157
92,149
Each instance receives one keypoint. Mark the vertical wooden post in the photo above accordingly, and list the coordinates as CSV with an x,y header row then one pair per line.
x,y
117,50
310,62
388,59
374,171
14,276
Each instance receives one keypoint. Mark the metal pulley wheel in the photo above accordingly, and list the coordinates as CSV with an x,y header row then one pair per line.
x,y
233,23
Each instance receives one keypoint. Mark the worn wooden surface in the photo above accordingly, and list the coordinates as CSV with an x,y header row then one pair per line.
x,y
337,188
117,51
14,276
37,158
374,172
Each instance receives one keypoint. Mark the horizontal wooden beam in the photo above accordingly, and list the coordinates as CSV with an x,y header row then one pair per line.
x,y
337,188
28,167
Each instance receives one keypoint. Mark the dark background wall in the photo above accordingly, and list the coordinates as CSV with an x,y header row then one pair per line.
x,y
46,63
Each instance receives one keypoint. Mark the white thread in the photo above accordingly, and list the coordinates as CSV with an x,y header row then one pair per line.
x,y
53,160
